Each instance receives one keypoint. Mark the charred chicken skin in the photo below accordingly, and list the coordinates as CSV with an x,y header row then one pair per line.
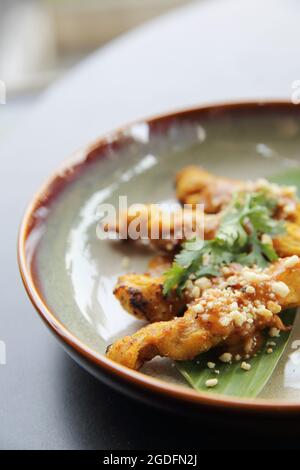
x,y
142,296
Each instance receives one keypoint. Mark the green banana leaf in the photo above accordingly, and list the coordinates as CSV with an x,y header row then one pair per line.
x,y
232,380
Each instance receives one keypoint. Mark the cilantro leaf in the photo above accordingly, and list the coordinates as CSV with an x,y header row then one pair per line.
x,y
173,277
238,239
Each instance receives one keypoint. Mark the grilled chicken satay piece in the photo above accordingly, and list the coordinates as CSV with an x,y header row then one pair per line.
x,y
164,230
242,305
142,296
288,244
195,186
285,245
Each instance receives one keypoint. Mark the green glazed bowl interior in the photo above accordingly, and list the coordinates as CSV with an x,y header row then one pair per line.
x,y
70,274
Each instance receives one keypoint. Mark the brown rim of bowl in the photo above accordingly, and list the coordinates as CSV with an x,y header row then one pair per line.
x,y
50,189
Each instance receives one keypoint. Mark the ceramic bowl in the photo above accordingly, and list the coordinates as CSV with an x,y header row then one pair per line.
x,y
69,273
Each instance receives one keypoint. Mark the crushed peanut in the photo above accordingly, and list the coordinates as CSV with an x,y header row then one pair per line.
x,y
291,261
205,317
226,357
252,276
250,290
203,283
273,307
211,365
211,383
198,308
280,288
232,280
238,318
225,320
195,292
264,312
274,332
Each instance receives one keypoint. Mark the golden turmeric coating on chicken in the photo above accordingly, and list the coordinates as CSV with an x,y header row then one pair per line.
x,y
289,243
241,305
285,245
166,230
142,296
197,186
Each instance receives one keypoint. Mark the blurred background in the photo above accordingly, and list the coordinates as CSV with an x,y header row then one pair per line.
x,y
41,39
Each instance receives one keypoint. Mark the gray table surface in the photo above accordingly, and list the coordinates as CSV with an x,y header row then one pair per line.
x,y
213,50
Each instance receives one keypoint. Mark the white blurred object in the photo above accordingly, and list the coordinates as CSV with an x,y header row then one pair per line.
x,y
82,25
28,47
39,40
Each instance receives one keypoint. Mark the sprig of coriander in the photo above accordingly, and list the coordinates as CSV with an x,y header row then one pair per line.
x,y
247,218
